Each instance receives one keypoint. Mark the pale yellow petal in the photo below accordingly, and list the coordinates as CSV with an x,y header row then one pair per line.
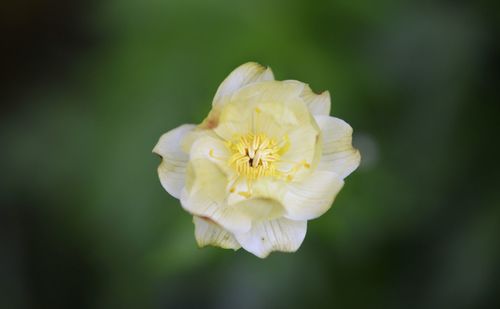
x,y
269,91
338,155
311,197
213,149
297,160
205,196
209,233
270,107
193,136
172,169
261,208
233,122
304,199
245,74
318,104
237,188
273,235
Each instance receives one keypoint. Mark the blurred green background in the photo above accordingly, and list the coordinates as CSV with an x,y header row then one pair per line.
x,y
88,88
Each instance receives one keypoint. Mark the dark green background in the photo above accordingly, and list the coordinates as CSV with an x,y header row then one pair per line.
x,y
89,87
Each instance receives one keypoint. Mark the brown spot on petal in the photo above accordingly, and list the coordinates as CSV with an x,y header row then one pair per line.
x,y
212,120
212,123
207,219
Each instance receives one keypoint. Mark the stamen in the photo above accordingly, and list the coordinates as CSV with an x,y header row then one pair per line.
x,y
254,155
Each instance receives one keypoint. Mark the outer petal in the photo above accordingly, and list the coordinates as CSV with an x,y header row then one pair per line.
x,y
273,235
172,169
311,197
318,104
208,233
243,75
304,199
205,196
338,155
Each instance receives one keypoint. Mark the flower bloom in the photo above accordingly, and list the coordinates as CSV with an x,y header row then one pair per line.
x,y
267,159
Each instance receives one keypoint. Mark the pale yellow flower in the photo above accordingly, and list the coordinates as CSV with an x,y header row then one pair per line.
x,y
266,159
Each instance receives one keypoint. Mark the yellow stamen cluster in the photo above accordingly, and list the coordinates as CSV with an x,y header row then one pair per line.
x,y
254,155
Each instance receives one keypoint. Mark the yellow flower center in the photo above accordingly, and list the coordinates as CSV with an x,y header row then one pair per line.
x,y
254,155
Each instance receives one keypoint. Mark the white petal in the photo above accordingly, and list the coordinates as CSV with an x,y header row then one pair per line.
x,y
312,197
273,235
338,155
205,195
172,169
318,104
208,233
243,75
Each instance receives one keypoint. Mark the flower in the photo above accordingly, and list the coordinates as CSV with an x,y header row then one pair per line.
x,y
267,159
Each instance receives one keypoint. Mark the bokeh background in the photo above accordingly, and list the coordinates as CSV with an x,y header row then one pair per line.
x,y
87,88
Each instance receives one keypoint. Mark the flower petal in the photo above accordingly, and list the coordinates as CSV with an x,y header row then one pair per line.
x,y
205,196
172,169
208,233
318,104
338,155
268,107
273,235
299,156
243,75
212,148
261,208
305,199
269,91
312,197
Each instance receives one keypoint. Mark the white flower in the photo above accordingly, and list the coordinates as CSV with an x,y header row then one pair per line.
x,y
266,159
